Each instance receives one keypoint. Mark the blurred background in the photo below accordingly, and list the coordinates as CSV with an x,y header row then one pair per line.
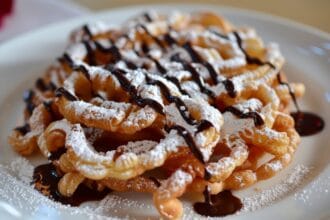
x,y
312,12
19,16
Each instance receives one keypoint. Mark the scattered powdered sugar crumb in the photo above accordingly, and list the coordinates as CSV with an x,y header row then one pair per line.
x,y
22,169
16,190
265,197
21,195
114,202
320,188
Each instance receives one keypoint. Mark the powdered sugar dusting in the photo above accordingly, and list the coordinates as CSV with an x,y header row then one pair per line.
x,y
320,188
16,176
22,168
265,197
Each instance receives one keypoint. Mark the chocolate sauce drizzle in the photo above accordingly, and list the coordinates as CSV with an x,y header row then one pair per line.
x,y
229,85
23,129
132,91
91,59
55,155
293,96
204,124
68,95
127,86
249,59
198,79
189,140
194,56
154,38
163,71
40,84
87,31
195,75
222,204
219,34
169,39
115,53
258,120
28,99
306,123
147,17
155,180
173,99
48,106
43,87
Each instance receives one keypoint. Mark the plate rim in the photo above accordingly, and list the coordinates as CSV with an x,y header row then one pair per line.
x,y
219,9
235,10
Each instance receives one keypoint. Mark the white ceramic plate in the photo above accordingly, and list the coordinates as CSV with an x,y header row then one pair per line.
x,y
308,60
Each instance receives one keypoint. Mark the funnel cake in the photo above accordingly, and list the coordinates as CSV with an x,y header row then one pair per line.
x,y
164,104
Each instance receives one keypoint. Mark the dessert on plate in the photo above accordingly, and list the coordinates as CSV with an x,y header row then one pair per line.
x,y
162,104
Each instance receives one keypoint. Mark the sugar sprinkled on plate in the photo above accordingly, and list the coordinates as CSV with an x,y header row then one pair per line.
x,y
16,177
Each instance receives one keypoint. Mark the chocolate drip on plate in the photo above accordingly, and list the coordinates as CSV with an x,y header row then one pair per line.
x,y
306,123
222,204
46,178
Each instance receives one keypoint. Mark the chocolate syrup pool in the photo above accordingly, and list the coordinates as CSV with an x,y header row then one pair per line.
x,y
222,204
46,178
307,123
